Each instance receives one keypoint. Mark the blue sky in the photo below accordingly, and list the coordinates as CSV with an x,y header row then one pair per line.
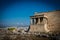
x,y
18,12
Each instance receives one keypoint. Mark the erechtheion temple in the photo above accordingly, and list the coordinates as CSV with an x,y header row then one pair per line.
x,y
45,22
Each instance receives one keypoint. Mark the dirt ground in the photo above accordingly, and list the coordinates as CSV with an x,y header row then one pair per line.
x,y
23,37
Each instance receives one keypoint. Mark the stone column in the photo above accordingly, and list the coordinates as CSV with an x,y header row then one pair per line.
x,y
38,21
34,21
31,21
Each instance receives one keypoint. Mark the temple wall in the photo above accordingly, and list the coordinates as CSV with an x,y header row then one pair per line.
x,y
53,21
37,28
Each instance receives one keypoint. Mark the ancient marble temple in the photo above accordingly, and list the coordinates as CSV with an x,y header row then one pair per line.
x,y
45,22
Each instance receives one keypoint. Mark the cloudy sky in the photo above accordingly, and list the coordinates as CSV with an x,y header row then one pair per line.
x,y
18,12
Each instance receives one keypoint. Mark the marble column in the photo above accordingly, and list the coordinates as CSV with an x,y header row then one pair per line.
x,y
34,20
38,21
31,21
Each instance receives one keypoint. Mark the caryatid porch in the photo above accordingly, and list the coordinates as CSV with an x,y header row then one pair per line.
x,y
36,20
37,23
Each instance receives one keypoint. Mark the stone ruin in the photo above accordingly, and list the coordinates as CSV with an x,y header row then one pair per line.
x,y
45,22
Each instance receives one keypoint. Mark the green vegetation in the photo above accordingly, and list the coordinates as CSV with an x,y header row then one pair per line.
x,y
11,29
